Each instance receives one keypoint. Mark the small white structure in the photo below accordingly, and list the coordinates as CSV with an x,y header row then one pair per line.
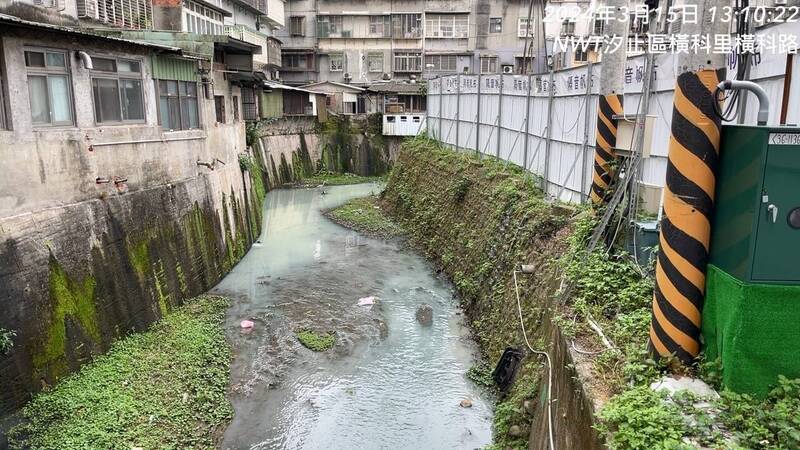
x,y
403,124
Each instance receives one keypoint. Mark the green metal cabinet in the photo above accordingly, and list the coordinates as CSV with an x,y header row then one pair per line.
x,y
756,229
751,312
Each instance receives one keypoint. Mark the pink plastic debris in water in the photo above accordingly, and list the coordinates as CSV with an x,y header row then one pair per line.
x,y
366,301
247,324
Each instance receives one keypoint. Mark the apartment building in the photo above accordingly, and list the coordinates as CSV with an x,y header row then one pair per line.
x,y
362,43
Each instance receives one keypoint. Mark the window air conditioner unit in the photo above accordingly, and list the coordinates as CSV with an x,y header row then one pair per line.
x,y
508,69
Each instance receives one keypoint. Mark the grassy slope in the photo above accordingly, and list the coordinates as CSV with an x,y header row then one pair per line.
x,y
164,389
478,220
365,215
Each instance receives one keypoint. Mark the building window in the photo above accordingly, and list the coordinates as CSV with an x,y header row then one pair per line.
x,y
568,27
297,26
336,62
521,62
177,105
407,62
329,26
441,63
523,26
581,55
488,64
375,62
598,26
219,108
495,25
235,103
117,90
380,26
297,61
49,88
201,20
447,25
407,26
249,105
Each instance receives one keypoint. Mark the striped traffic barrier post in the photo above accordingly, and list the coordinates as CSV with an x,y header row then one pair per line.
x,y
606,139
686,223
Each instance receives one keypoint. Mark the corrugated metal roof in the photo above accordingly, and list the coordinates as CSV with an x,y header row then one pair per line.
x,y
397,87
335,83
275,85
5,18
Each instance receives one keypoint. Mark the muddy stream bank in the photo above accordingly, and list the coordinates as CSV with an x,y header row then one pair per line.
x,y
388,382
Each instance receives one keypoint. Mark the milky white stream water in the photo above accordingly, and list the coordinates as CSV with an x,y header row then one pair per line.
x,y
388,383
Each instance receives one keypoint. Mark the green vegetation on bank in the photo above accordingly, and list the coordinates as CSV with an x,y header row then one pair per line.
x,y
611,290
365,215
318,342
164,388
478,219
338,179
6,340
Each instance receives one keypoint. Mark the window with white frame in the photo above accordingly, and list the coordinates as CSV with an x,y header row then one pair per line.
x,y
49,87
488,64
495,25
568,27
446,25
336,62
201,20
441,63
407,62
581,55
177,105
524,27
297,26
598,26
329,26
375,62
380,26
117,90
406,26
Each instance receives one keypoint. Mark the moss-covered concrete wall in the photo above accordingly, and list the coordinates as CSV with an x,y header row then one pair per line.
x,y
479,220
75,278
292,151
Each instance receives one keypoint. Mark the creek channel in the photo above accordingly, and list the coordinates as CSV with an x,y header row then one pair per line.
x,y
388,382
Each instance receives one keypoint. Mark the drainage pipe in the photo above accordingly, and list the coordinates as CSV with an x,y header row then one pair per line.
x,y
763,100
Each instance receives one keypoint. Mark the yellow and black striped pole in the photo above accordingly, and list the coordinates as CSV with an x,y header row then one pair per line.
x,y
605,140
686,223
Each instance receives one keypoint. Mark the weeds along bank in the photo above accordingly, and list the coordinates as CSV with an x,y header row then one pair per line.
x,y
590,311
479,220
161,389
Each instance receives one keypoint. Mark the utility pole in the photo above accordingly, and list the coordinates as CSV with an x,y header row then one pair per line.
x,y
688,194
609,103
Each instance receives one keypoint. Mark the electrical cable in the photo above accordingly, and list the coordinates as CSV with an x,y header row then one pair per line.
x,y
742,64
549,367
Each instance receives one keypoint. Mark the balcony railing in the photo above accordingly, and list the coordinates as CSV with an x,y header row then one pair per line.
x,y
271,9
270,48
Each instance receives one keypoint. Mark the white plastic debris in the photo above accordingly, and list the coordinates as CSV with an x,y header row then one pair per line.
x,y
365,301
693,385
247,324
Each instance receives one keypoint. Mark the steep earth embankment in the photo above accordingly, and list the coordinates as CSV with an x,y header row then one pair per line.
x,y
479,219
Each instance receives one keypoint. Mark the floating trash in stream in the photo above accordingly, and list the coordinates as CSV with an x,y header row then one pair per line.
x,y
366,301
